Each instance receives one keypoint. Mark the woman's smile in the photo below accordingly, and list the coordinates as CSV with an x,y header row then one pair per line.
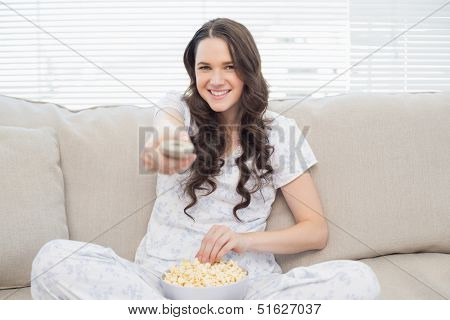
x,y
218,95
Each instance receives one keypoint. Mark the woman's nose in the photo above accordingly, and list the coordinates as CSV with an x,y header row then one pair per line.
x,y
217,78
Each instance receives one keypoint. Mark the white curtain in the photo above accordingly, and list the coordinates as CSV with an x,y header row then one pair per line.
x,y
97,52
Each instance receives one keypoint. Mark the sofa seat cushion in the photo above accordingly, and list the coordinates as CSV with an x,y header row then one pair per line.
x,y
16,294
32,208
413,276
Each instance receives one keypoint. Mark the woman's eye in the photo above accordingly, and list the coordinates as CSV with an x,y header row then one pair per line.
x,y
206,68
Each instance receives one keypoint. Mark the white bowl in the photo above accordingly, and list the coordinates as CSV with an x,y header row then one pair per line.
x,y
234,291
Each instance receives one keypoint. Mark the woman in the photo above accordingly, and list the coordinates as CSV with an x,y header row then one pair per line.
x,y
213,204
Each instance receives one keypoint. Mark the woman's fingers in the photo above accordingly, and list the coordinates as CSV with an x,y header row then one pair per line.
x,y
225,249
213,242
206,245
209,241
171,166
150,155
154,159
185,163
219,245
149,158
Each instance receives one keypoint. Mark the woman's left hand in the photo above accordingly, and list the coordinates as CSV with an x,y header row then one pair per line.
x,y
219,241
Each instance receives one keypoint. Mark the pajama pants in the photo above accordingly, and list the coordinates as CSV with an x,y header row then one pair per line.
x,y
66,269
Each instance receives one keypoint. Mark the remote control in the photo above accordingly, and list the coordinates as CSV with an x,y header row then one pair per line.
x,y
177,148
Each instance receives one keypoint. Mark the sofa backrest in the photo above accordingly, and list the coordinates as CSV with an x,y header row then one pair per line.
x,y
108,201
382,173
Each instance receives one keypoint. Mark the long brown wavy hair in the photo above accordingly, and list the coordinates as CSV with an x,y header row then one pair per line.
x,y
211,137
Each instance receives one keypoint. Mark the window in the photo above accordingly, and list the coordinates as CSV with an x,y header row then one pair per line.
x,y
86,53
419,60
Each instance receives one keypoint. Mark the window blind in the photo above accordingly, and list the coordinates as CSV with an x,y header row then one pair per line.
x,y
418,60
86,53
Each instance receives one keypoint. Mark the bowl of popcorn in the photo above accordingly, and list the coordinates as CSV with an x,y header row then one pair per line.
x,y
223,280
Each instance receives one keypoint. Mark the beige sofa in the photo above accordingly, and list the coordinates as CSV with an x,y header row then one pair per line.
x,y
383,176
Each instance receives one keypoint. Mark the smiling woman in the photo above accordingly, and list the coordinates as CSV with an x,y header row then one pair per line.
x,y
217,80
225,103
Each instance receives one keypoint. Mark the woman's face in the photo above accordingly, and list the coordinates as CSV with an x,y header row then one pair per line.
x,y
216,79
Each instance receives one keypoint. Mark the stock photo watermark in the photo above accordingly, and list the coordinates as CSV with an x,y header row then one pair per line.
x,y
288,154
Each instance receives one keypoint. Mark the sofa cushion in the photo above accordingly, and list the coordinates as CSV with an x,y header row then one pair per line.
x,y
108,198
16,294
413,276
382,174
31,199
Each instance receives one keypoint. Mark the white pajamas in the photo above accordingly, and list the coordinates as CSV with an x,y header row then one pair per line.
x,y
95,272
62,270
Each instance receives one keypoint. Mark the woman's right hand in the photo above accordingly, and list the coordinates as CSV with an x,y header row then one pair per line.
x,y
155,161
